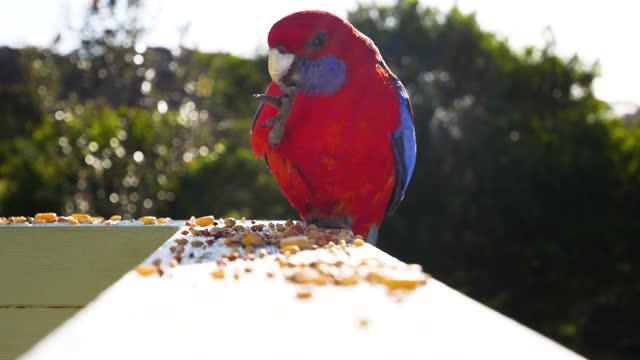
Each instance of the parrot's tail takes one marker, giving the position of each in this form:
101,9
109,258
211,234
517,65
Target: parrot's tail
372,236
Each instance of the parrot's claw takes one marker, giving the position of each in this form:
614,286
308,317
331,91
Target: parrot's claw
270,122
274,101
284,104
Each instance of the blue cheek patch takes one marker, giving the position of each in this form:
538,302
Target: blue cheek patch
324,76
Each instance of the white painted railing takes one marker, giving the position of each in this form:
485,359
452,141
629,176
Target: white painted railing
186,313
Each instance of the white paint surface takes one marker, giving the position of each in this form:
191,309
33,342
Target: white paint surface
187,314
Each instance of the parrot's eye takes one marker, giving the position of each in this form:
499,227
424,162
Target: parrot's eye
318,40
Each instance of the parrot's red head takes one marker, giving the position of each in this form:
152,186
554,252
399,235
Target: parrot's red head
314,33
312,49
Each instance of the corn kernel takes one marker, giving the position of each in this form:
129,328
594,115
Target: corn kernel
46,217
347,280
303,294
83,218
149,220
281,260
320,280
164,220
403,283
205,220
358,242
115,218
363,322
146,269
301,242
374,277
303,276
292,249
17,219
218,273
253,239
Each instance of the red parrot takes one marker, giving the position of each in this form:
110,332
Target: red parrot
336,125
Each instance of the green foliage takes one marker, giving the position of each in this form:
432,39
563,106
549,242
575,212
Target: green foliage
526,190
115,127
19,105
236,185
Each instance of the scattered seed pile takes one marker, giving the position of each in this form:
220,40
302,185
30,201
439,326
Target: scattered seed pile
300,253
75,219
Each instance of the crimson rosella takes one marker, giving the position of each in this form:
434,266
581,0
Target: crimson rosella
336,125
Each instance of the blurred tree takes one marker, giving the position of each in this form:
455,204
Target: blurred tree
127,129
520,196
19,105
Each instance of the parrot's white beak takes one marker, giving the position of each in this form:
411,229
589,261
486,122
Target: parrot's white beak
279,64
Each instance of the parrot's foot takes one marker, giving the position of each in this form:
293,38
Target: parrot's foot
332,223
284,104
274,101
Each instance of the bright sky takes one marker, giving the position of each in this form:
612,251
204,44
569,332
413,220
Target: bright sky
603,30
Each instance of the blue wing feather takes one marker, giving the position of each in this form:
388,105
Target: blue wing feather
403,141
253,124
256,116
